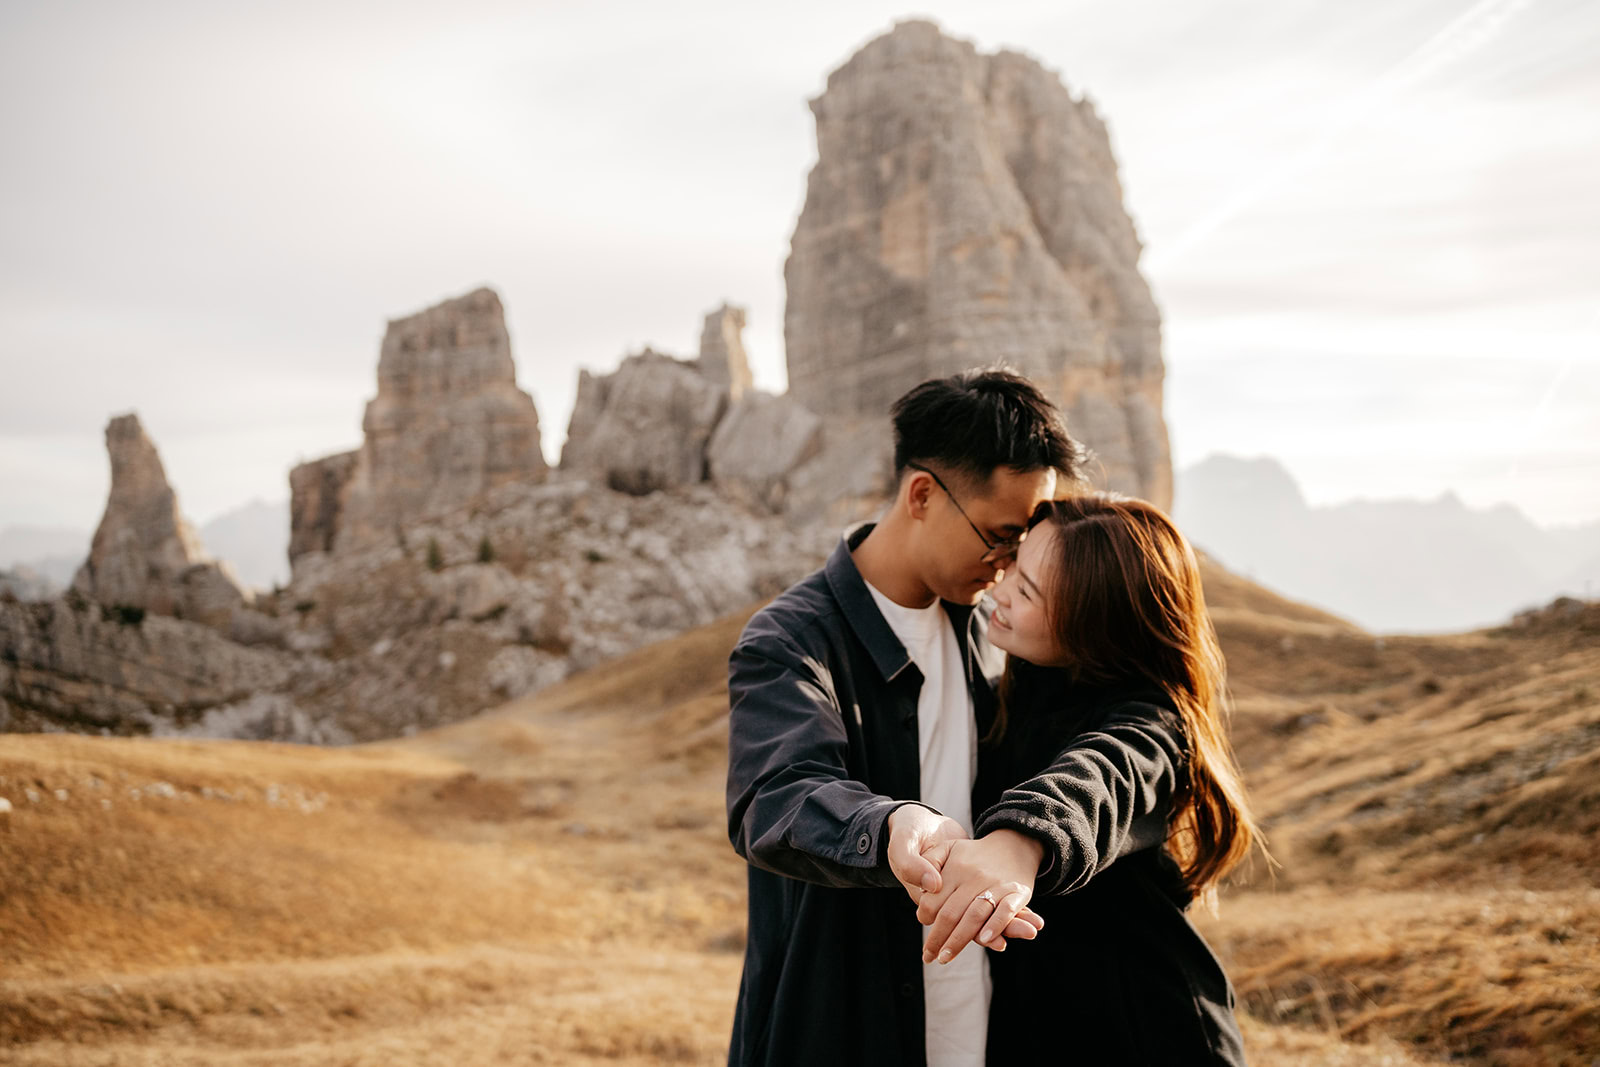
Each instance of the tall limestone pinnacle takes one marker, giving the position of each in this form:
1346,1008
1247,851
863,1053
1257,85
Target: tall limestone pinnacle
448,424
965,210
145,554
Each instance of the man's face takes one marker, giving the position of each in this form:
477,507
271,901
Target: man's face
952,550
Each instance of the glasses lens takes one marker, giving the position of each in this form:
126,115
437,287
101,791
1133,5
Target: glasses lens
1003,550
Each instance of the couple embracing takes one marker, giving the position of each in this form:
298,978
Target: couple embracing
1044,772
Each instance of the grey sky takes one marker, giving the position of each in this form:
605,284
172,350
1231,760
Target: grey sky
1377,258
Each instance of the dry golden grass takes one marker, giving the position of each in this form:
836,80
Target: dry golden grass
1435,803
551,882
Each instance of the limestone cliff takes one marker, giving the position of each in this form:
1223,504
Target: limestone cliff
316,500
965,210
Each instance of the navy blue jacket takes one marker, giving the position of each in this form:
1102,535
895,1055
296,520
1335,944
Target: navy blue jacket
822,746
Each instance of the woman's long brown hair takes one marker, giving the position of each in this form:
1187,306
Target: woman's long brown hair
1123,595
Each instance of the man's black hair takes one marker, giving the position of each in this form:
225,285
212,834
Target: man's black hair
972,423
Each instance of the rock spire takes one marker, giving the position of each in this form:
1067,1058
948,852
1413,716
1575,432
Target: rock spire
965,210
145,556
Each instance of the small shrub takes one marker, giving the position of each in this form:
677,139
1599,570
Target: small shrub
435,556
485,550
594,555
305,606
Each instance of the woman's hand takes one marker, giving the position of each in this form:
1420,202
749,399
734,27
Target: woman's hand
1024,927
919,844
1004,863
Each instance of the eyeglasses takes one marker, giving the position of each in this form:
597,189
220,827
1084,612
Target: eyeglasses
998,550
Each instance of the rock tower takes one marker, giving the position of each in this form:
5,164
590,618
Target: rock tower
447,425
145,556
965,210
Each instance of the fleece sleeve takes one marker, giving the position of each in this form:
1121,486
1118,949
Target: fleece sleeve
1105,795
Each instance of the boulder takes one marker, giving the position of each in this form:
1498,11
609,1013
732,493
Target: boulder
760,441
646,426
850,477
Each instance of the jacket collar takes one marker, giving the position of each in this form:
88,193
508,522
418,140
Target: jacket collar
860,611
874,632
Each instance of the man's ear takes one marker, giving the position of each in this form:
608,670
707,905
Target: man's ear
916,494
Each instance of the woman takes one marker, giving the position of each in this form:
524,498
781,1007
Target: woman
1111,738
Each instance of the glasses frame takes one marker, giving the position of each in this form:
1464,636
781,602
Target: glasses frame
997,550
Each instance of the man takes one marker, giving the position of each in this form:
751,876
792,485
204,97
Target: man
857,699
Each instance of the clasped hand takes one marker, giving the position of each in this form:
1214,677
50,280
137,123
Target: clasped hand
946,874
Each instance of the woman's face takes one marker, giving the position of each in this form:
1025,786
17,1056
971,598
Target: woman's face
1020,624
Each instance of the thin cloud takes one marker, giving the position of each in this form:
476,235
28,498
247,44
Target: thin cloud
1470,31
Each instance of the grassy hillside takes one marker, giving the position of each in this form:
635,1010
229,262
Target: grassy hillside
1435,803
551,882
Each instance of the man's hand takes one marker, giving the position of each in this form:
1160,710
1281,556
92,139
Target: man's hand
1004,863
919,842
914,830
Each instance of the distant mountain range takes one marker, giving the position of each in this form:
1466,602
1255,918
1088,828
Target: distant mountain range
253,538
43,558
1389,565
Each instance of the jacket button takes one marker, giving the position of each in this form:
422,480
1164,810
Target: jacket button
863,843
906,990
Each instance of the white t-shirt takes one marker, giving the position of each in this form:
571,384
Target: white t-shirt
956,994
